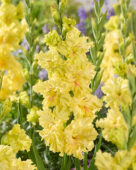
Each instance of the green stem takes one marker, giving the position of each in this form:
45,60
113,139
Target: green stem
77,164
97,147
19,119
38,159
85,161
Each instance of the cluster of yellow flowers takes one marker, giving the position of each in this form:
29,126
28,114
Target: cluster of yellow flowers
12,30
112,62
117,98
13,141
68,106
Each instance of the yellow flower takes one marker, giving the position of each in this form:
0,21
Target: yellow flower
17,139
111,55
33,116
12,81
24,98
114,128
53,131
112,24
120,68
68,24
86,106
52,38
121,161
20,10
74,46
25,165
116,92
68,107
79,137
6,107
131,70
11,33
8,160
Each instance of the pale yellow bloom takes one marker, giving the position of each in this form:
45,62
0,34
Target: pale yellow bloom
53,131
8,160
11,33
116,92
122,160
33,116
80,135
113,23
17,139
68,106
114,128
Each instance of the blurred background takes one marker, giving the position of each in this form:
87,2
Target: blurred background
108,3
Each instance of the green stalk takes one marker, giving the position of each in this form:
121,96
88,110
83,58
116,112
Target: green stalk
85,161
77,164
98,146
98,39
30,58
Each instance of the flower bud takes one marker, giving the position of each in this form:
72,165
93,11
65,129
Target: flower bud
55,14
24,98
63,4
6,107
33,116
68,24
25,74
20,10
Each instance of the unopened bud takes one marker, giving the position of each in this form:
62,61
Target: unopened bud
24,98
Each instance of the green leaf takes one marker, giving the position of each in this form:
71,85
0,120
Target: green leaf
97,8
102,21
93,55
127,115
97,80
92,164
134,24
85,161
101,42
134,105
132,85
134,52
132,138
38,159
99,60
101,3
77,164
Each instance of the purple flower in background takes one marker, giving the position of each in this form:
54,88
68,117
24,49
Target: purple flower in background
82,14
43,74
82,17
111,12
25,44
45,29
99,92
37,49
81,27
